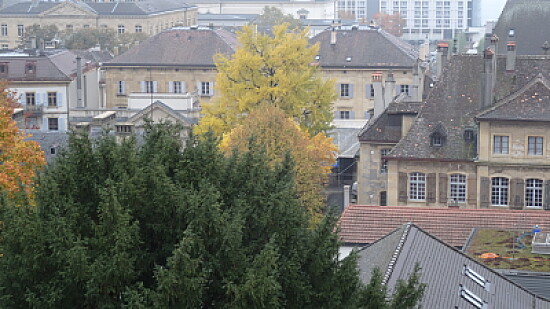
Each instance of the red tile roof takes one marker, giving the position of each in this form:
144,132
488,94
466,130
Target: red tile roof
361,224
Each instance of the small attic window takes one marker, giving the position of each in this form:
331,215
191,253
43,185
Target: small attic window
30,68
469,135
437,139
3,68
511,33
476,277
348,59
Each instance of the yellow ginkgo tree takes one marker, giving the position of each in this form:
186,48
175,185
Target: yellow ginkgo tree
19,158
313,156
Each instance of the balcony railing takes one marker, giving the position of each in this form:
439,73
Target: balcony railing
35,109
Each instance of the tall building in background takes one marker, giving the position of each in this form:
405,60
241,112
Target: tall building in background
425,19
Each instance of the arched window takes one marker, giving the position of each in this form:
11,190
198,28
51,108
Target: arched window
417,186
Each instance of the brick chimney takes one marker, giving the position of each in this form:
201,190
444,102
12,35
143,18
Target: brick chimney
510,56
378,94
389,89
442,52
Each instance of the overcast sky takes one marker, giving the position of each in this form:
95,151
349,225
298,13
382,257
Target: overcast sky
490,9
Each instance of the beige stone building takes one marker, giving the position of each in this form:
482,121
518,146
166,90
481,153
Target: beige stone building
351,56
168,66
148,16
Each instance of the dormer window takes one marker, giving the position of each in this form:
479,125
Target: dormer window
3,68
438,137
30,68
437,140
469,135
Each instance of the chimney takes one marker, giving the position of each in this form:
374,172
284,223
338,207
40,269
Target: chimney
347,192
487,78
494,48
378,94
333,36
511,56
79,82
442,51
389,89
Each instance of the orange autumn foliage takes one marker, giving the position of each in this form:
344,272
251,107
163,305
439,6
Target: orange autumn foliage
313,156
19,158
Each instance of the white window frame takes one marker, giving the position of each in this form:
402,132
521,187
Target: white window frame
121,87
534,192
404,89
501,144
417,186
383,161
52,99
53,124
344,114
149,86
4,29
138,29
345,91
121,29
20,30
500,191
535,145
457,188
177,87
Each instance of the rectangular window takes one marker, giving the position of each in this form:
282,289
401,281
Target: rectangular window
457,185
345,115
139,29
4,46
52,99
535,145
499,191
69,28
205,88
149,86
3,68
533,193
404,89
20,30
86,26
383,161
345,90
121,89
120,29
30,98
500,144
417,186
53,124
4,30
178,87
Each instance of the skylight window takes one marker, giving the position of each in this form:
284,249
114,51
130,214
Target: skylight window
473,299
477,278
348,59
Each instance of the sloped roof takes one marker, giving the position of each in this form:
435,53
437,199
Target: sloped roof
443,271
530,22
142,7
160,105
372,48
66,60
361,224
379,130
531,103
45,69
179,47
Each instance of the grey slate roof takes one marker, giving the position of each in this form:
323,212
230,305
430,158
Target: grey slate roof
346,141
371,48
47,141
66,60
379,130
138,8
529,19
531,103
179,47
45,69
535,282
442,269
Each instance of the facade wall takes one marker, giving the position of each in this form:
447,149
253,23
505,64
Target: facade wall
91,95
372,177
361,101
317,10
36,117
133,77
150,25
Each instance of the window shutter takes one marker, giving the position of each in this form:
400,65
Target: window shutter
199,88
45,124
517,189
546,204
397,89
368,90
339,90
62,127
351,115
211,89
336,115
471,189
443,188
22,99
59,99
430,187
350,90
123,84
155,86
484,192
142,86
402,187
183,88
367,115
171,86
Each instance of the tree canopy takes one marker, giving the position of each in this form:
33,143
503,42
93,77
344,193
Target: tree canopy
272,16
106,38
276,70
391,23
313,156
160,225
19,158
